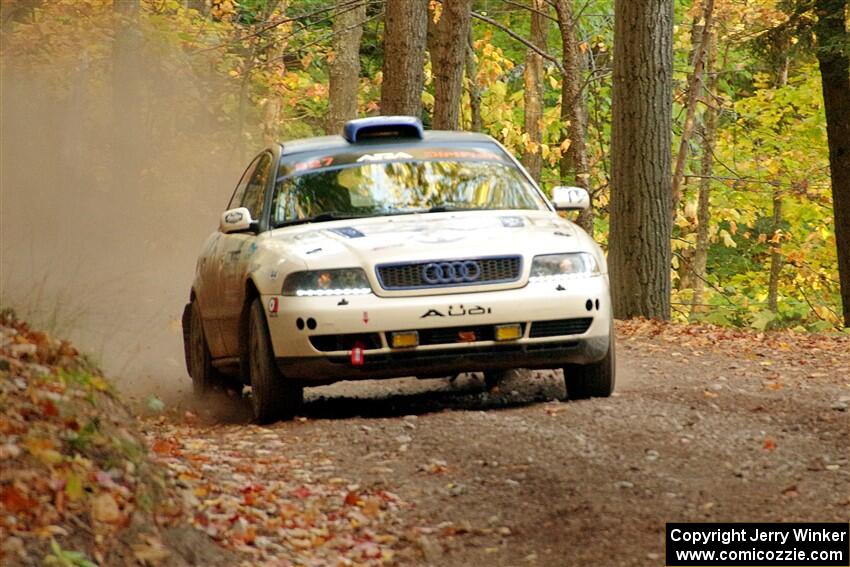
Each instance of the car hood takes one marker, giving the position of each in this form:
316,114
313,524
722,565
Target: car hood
370,241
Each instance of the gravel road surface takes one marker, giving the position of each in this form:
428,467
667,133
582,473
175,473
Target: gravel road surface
706,425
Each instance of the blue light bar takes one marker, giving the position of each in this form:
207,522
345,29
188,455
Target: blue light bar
383,127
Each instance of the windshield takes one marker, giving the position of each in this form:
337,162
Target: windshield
400,187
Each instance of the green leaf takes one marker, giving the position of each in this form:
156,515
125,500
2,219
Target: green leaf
155,404
762,319
74,487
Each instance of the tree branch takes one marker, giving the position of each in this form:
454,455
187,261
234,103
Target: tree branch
530,9
332,34
520,39
266,26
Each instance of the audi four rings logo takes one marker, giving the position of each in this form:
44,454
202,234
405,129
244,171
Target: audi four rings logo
451,272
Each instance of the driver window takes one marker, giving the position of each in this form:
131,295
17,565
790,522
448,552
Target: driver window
256,189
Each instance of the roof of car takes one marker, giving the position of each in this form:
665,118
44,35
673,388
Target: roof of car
339,143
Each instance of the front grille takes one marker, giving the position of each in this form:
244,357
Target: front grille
329,343
560,327
410,276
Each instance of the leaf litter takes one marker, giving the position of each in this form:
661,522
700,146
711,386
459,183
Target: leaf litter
250,494
76,486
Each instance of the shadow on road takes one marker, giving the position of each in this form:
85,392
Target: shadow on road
395,398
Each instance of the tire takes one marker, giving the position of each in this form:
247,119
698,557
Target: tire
595,380
273,397
492,378
198,359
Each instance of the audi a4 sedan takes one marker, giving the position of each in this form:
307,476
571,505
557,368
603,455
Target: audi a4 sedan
392,251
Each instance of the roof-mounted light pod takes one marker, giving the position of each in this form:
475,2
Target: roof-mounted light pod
383,127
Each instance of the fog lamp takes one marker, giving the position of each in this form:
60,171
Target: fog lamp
508,332
404,339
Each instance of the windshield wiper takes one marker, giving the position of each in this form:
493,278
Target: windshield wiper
452,209
322,217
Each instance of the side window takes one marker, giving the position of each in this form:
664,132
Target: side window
236,199
255,191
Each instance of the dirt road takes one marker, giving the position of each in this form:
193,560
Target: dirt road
706,425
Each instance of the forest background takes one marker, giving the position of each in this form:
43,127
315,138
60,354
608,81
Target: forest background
126,125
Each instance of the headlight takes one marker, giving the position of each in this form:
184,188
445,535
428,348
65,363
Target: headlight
349,281
554,267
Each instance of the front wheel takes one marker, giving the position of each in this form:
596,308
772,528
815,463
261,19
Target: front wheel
595,380
198,359
492,378
273,397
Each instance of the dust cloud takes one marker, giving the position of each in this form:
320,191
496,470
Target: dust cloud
116,162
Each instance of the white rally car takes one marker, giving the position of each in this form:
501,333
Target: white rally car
391,251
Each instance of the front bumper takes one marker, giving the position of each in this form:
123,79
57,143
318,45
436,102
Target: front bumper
373,319
433,363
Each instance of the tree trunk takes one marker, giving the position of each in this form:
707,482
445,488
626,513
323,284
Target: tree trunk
709,140
272,109
199,5
345,68
533,76
447,59
476,124
128,104
835,77
776,260
405,30
694,88
242,101
274,57
639,239
775,253
574,164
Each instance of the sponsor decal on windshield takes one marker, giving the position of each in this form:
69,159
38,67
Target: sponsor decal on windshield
314,163
460,154
387,156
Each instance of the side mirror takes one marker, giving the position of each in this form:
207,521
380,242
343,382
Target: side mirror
236,220
570,198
